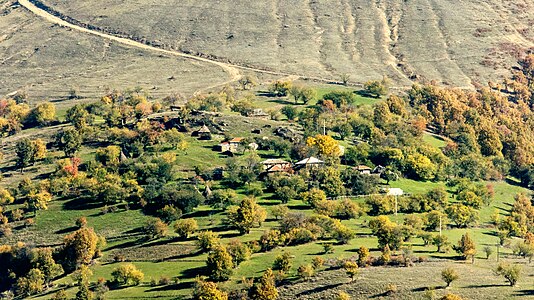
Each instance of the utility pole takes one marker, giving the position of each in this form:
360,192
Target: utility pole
396,204
324,127
440,225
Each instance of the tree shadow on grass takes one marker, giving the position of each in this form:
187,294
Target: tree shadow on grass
66,230
525,293
299,207
128,244
194,272
426,288
171,287
81,203
199,214
478,286
319,289
230,235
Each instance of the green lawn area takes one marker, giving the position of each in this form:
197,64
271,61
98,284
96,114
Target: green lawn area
433,140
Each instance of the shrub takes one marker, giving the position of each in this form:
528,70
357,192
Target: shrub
363,256
208,290
351,268
451,297
305,271
466,247
185,227
342,233
449,275
317,262
510,272
81,222
282,262
342,296
207,240
164,280
279,211
328,248
271,239
347,209
127,274
391,289
299,236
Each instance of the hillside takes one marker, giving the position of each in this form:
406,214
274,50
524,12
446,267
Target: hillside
453,42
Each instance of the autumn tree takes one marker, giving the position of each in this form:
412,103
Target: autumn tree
205,290
207,240
377,88
79,248
239,251
246,215
127,274
511,273
466,247
325,145
185,227
265,287
43,114
155,228
462,215
219,263
449,275
351,268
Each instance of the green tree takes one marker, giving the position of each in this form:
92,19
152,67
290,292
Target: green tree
462,215
239,251
79,117
69,141
31,284
155,228
219,263
25,150
376,88
290,112
313,196
282,262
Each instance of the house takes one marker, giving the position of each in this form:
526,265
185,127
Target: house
258,113
362,169
309,162
229,146
204,133
276,165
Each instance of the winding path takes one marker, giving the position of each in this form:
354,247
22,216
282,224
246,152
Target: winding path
232,70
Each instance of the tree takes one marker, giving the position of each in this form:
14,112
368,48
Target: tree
219,264
440,241
466,247
342,233
38,200
127,274
239,251
30,284
43,114
290,112
205,290
280,88
247,82
265,288
488,251
246,215
185,227
282,262
363,256
313,196
60,295
42,259
207,240
79,248
25,150
462,215
78,116
351,268
376,88
155,228
271,239
449,275
69,141
278,211
510,272
325,145
6,197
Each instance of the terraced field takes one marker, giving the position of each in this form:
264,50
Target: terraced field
455,42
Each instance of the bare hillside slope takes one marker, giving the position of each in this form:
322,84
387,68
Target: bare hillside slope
455,42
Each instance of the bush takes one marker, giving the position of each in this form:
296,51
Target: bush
317,262
451,297
207,240
299,236
342,233
305,271
282,262
185,227
279,211
363,256
81,222
328,248
127,274
208,290
351,268
342,296
271,239
510,272
449,275
265,288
